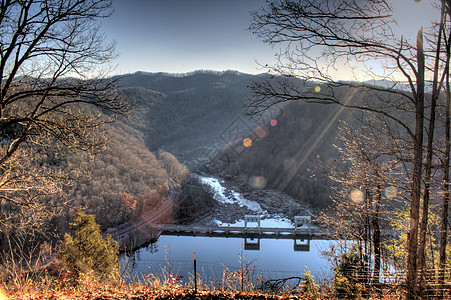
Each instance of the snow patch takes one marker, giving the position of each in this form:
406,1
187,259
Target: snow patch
264,223
223,195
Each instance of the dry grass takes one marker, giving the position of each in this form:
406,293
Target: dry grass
148,287
53,281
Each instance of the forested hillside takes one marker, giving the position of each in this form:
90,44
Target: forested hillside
192,116
286,152
119,183
200,118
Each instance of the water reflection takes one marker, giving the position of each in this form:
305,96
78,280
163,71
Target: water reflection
301,245
298,245
270,258
251,244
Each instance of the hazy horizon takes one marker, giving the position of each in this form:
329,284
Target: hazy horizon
181,36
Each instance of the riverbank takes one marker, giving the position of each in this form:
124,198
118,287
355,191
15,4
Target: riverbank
234,198
237,198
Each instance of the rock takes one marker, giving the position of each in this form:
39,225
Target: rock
275,203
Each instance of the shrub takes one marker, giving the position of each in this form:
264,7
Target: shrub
308,285
347,275
88,252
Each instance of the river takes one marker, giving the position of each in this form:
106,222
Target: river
264,258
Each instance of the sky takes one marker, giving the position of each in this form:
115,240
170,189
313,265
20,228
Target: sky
179,36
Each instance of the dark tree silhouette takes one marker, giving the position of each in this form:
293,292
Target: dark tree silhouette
52,91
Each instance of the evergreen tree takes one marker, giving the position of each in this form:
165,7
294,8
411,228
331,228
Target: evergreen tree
346,275
308,285
88,252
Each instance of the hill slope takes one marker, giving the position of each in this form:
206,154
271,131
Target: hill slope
285,151
198,116
191,115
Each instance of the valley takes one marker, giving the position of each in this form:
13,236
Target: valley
267,149
200,118
204,126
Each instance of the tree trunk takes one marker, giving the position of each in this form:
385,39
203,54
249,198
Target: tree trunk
412,238
445,201
366,233
377,237
428,171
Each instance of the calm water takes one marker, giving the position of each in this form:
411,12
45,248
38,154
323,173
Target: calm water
275,259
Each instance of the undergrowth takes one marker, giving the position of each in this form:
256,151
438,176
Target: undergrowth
146,287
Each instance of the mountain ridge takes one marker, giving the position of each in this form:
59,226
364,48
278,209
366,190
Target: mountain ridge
198,116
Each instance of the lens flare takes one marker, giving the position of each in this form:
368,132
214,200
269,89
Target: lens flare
258,182
390,192
356,196
303,155
273,122
317,89
247,142
261,132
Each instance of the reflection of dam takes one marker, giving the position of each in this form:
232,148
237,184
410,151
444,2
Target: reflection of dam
243,232
301,233
299,245
252,235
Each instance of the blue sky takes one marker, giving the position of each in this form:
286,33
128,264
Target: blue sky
179,36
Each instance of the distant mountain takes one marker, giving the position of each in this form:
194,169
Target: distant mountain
199,118
403,86
387,84
192,116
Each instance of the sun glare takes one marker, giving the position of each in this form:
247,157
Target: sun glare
302,156
3,295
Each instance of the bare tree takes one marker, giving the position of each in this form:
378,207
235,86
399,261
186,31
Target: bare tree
446,169
369,172
54,96
321,36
